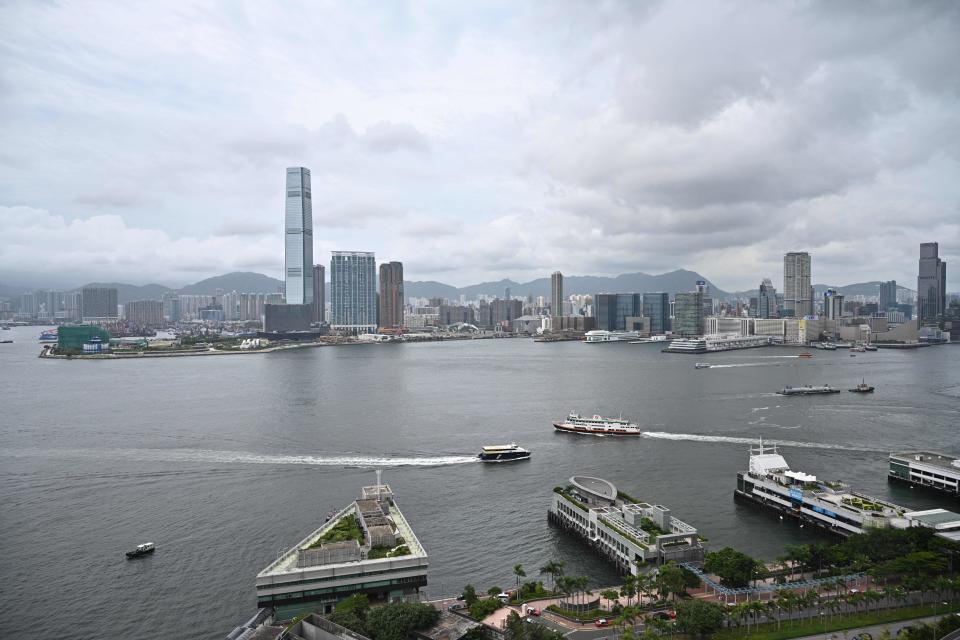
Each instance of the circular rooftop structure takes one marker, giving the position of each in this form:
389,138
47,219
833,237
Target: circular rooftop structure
597,487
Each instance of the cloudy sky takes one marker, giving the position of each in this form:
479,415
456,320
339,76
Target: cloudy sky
147,142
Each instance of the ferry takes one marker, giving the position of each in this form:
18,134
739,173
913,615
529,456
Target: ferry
503,453
597,425
807,390
702,365
142,550
863,387
599,335
805,354
50,335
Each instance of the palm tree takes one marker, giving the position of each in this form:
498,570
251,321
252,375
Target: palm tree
520,573
554,569
629,588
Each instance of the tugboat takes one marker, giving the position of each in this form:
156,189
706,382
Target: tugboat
142,550
503,453
863,387
597,426
702,365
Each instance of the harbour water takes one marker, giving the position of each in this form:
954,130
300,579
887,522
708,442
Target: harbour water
224,462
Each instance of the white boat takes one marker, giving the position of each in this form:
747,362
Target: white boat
702,365
597,425
600,335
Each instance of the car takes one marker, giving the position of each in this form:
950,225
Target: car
665,615
528,620
461,597
602,622
533,611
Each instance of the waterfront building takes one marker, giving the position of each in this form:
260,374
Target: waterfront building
931,284
298,254
888,295
627,531
926,469
381,558
72,338
318,312
99,304
353,292
279,318
717,342
456,314
391,294
556,294
688,317
613,309
144,313
832,304
656,307
797,293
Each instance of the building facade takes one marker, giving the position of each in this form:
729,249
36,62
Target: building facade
797,294
298,254
656,307
353,292
99,303
556,294
144,313
319,311
688,318
931,284
888,295
832,305
613,309
391,294
766,306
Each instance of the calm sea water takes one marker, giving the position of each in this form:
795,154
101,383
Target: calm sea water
225,461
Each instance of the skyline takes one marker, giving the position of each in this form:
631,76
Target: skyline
476,143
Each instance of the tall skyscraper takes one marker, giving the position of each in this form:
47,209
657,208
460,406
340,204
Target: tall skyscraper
299,237
766,300
832,304
688,317
353,292
391,294
319,311
99,303
888,295
656,307
931,284
556,294
613,309
797,292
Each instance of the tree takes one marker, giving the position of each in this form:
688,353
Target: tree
469,595
672,580
734,569
494,591
611,596
352,613
554,569
520,573
699,618
629,588
398,620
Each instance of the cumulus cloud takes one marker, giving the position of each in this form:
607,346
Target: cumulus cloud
480,142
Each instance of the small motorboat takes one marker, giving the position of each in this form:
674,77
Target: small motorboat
503,453
702,365
863,387
805,354
142,549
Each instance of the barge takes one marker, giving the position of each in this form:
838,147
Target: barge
808,390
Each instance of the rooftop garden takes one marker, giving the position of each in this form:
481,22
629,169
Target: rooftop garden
651,527
346,529
866,505
569,496
626,497
623,533
376,553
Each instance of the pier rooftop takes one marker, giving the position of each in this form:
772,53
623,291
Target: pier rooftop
932,458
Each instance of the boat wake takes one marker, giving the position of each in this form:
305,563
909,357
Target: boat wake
245,457
695,437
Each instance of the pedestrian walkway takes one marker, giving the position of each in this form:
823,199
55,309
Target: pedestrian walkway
873,630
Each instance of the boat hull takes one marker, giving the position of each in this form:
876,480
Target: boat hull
593,432
504,457
137,554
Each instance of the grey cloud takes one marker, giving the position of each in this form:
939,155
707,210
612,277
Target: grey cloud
387,137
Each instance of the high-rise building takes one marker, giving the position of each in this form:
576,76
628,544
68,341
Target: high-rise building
766,306
299,237
797,292
688,317
888,295
99,303
144,313
353,292
556,293
832,304
613,309
319,312
656,306
931,284
391,294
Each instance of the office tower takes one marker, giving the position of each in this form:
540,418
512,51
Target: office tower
688,317
656,306
703,289
99,303
931,284
299,237
319,312
888,295
353,292
766,301
391,294
506,293
797,292
832,304
613,309
556,293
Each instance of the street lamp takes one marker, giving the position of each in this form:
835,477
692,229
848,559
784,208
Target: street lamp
823,622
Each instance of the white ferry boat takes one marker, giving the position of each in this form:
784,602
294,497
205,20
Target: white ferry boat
503,453
599,335
597,425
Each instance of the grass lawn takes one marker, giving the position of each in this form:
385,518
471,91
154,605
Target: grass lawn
797,629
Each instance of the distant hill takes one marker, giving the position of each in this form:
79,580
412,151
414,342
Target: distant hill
239,281
858,289
673,282
128,292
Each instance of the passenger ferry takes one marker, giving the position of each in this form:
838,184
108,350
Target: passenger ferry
503,453
599,335
50,335
597,425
